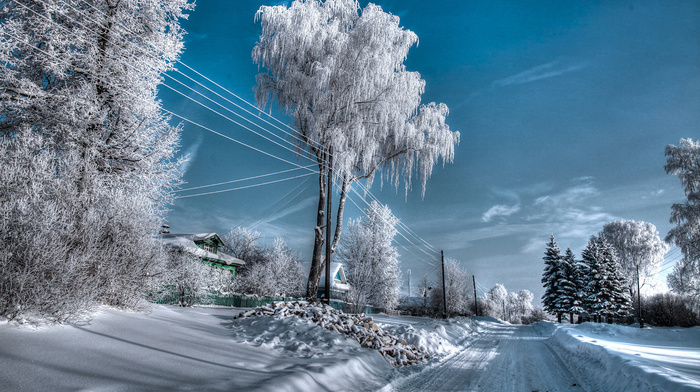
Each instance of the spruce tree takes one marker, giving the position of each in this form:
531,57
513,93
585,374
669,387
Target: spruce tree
551,278
593,293
619,297
570,286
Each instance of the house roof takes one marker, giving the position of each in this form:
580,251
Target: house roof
186,242
336,269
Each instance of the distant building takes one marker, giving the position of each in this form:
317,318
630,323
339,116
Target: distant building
204,246
339,284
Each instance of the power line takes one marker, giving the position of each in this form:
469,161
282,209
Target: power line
369,205
238,180
281,207
243,187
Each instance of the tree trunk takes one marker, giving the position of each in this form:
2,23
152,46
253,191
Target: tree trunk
339,217
316,265
571,318
559,317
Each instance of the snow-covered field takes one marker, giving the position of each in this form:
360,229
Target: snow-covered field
204,348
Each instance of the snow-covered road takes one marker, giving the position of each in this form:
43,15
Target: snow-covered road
505,358
205,349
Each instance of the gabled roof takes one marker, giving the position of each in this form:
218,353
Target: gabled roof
336,270
186,242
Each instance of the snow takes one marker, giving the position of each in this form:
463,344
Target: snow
649,359
205,348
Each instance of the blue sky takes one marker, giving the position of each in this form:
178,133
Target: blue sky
564,110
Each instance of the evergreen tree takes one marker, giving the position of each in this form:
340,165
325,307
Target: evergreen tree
619,297
604,292
593,296
570,285
551,278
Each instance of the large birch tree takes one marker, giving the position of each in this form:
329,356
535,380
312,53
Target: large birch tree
338,71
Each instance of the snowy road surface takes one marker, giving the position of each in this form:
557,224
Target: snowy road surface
505,358
205,349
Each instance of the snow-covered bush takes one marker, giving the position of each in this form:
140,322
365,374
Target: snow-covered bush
185,280
269,271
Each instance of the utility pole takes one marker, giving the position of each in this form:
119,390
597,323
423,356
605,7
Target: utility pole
409,285
329,214
444,294
639,300
476,309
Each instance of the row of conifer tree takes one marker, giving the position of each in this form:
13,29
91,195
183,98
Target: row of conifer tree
592,287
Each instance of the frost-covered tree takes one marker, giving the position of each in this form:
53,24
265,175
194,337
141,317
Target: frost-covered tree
371,262
495,301
684,161
83,137
509,306
639,250
285,266
269,271
244,244
457,289
338,71
685,279
552,278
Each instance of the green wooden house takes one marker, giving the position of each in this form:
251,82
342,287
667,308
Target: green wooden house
204,246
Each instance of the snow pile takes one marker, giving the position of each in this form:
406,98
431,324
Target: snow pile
361,328
650,359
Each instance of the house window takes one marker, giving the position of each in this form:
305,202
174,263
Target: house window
210,248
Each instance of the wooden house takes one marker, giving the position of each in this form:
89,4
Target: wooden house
204,246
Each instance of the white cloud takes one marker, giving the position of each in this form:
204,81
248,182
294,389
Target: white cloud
190,153
540,72
500,210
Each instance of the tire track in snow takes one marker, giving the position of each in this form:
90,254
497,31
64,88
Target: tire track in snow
506,358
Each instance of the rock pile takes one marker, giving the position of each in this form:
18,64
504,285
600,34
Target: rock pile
357,326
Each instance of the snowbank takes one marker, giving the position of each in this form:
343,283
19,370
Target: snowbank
278,326
622,358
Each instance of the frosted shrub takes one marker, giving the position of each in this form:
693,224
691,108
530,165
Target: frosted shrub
86,158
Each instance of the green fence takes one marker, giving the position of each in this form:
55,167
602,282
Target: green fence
234,300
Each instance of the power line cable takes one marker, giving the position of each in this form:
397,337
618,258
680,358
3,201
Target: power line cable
238,180
281,207
242,187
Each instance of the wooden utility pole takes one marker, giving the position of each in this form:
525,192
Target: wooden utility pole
329,214
409,285
476,309
444,293
639,300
